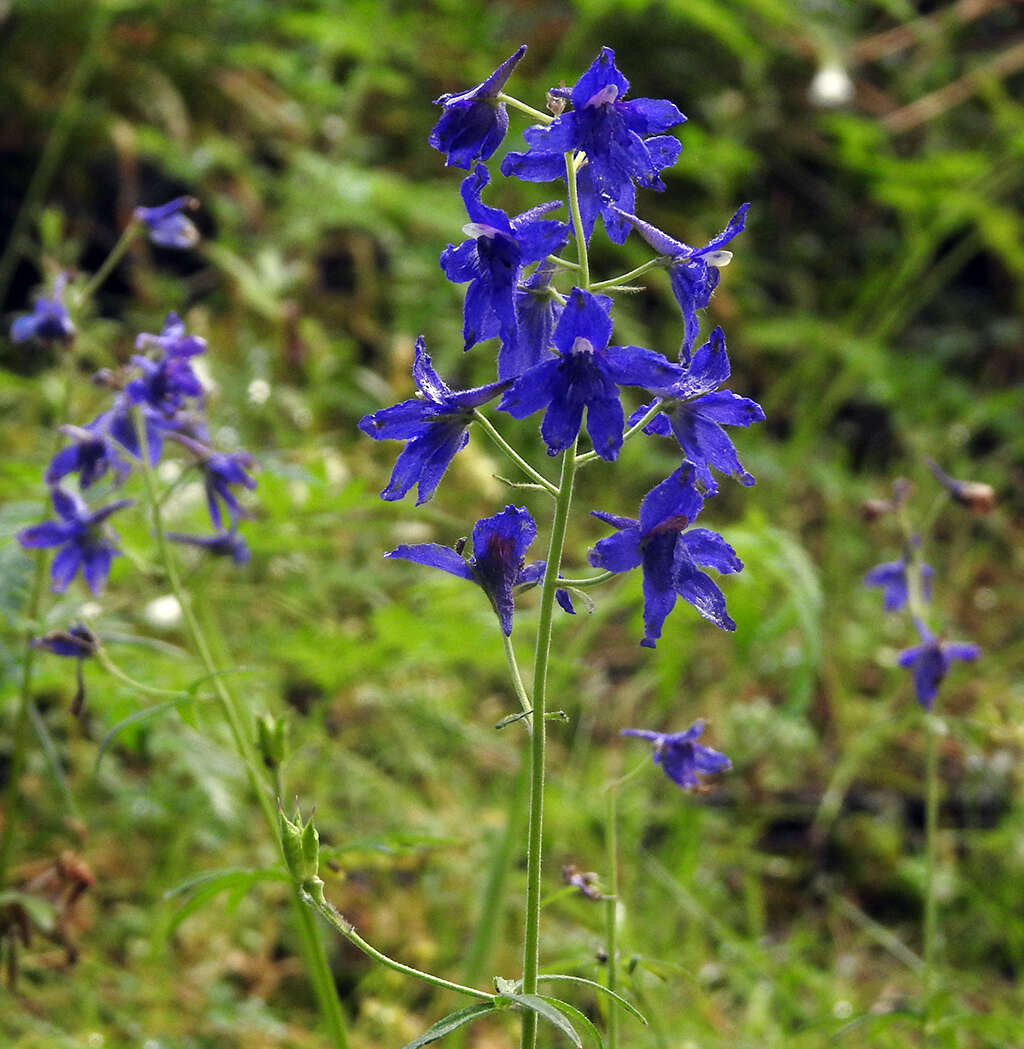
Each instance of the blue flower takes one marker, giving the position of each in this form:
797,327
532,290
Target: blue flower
174,340
694,273
695,410
474,122
609,132
168,225
930,662
538,307
493,260
77,642
586,375
498,562
91,455
669,555
682,759
84,540
49,321
223,544
892,577
220,471
435,425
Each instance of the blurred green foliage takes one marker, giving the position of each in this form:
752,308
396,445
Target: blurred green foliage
874,307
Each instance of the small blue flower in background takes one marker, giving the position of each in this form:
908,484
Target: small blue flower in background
174,340
493,258
609,131
586,375
168,225
695,410
49,320
91,455
436,427
84,540
669,555
892,577
220,471
930,662
498,562
77,642
223,544
474,122
694,273
683,759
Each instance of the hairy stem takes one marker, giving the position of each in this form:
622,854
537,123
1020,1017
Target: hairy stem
492,431
531,944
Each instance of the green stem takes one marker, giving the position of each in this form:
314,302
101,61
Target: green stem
613,282
564,263
115,671
115,256
577,221
656,406
517,679
312,945
531,939
582,584
313,895
492,431
930,901
509,100
611,906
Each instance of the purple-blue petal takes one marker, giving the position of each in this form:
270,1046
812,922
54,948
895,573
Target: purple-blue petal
433,555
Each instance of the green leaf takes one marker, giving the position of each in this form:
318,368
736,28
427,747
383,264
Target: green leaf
546,1008
580,1016
450,1023
628,1006
211,883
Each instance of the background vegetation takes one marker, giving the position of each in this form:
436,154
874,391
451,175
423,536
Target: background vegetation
874,307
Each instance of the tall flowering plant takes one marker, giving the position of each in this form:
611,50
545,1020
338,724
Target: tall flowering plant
558,360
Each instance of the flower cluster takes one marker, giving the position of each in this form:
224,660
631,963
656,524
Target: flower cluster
157,399
557,356
907,584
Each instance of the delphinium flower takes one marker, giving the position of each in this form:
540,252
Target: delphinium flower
85,540
683,759
174,340
538,307
474,122
586,375
223,544
492,260
694,409
49,320
168,225
613,135
91,455
498,564
221,470
892,577
77,642
436,425
671,555
930,662
694,273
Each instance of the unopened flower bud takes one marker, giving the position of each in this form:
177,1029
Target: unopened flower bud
300,843
272,739
873,509
975,495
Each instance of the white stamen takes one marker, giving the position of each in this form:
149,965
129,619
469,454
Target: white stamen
718,258
581,345
609,93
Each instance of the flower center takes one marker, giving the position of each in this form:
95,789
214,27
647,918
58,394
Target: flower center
608,94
